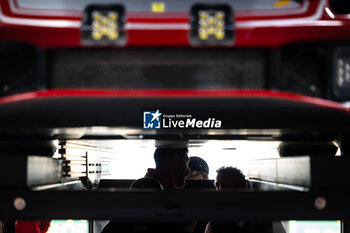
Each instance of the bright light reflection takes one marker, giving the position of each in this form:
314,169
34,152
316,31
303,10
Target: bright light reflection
329,12
133,157
224,155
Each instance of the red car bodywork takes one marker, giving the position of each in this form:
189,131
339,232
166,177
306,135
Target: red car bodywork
312,21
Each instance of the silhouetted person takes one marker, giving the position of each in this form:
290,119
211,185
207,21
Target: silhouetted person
198,180
146,184
170,174
171,167
199,169
198,177
230,178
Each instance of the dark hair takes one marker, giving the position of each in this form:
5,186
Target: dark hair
163,155
234,176
198,164
146,183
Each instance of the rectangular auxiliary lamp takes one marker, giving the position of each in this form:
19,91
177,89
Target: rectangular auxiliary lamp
103,25
211,25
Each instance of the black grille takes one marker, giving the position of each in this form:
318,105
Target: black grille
17,68
141,68
304,71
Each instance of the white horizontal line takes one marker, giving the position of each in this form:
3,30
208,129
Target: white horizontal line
40,22
300,23
157,26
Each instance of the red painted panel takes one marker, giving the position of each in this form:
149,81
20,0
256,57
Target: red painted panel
42,37
279,36
158,38
172,94
248,31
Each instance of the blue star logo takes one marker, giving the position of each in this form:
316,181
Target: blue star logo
151,120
